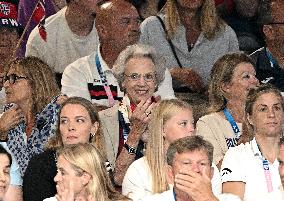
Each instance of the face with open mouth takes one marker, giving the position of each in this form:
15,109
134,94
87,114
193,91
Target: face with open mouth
139,79
8,42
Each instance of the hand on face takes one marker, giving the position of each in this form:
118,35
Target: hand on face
140,118
11,118
196,185
68,194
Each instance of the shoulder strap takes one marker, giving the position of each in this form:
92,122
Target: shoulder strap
169,41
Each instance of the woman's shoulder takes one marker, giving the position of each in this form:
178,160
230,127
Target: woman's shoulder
212,117
152,20
45,158
240,151
109,112
140,163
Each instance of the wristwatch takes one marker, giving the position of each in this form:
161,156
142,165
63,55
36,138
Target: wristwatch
131,150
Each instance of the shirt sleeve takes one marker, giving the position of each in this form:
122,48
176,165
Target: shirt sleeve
74,82
228,197
134,182
233,166
204,129
37,47
165,89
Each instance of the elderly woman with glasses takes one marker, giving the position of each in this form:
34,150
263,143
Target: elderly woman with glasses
139,72
31,111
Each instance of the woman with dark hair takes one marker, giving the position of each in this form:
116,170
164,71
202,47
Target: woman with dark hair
78,122
5,165
14,192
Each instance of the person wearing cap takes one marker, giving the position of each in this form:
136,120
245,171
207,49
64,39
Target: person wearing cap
70,35
9,35
25,11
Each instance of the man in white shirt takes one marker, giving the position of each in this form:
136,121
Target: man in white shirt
190,170
70,35
117,23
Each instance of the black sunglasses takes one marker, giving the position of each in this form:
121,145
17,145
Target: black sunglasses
12,78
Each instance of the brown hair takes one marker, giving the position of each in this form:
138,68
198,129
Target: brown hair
55,142
222,73
189,144
253,95
41,78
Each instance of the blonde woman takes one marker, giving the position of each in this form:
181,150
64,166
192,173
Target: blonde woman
191,36
81,175
171,120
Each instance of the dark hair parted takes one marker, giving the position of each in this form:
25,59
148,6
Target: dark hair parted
222,73
41,78
5,152
189,144
252,97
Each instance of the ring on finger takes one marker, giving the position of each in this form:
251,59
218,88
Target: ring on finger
147,113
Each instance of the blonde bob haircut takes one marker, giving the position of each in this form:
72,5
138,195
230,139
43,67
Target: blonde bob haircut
210,22
155,152
86,158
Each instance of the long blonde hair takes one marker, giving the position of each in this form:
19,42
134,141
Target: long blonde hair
210,22
155,153
87,158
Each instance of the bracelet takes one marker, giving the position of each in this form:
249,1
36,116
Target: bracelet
131,150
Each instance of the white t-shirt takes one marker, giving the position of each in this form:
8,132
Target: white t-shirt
50,199
137,182
62,46
244,164
169,196
81,78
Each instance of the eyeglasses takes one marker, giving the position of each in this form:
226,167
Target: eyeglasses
149,77
276,23
12,78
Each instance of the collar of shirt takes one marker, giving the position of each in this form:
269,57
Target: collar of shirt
104,66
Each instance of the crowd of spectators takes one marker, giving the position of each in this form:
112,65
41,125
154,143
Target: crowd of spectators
144,100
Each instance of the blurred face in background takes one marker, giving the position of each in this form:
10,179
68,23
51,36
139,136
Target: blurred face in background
4,174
